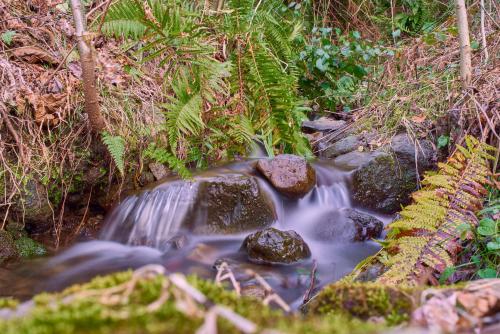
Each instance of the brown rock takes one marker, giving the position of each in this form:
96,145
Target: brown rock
291,175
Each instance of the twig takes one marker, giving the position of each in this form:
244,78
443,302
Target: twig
12,131
307,296
483,34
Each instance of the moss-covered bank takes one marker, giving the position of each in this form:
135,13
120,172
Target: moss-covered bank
365,300
80,310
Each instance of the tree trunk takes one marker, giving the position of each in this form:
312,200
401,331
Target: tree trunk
465,50
92,109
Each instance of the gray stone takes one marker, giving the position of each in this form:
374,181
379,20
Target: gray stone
291,175
347,225
323,124
272,246
354,160
343,146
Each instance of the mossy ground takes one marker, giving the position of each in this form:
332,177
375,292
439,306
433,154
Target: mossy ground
55,313
365,300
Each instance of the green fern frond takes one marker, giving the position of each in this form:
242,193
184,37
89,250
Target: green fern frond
116,147
162,156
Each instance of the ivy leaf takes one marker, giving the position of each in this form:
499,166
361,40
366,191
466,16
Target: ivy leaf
396,33
8,36
356,34
320,65
487,227
487,273
493,246
356,70
443,141
474,45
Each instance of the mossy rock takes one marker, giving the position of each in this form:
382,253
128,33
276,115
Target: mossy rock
230,203
8,250
63,313
365,300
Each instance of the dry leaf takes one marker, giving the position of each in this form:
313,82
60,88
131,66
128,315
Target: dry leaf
48,108
34,55
419,118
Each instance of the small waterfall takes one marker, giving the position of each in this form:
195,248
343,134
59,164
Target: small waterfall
153,217
159,225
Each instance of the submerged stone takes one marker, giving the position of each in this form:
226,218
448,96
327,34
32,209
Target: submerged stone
291,175
272,246
347,225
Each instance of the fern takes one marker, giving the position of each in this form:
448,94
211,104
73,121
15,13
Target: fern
230,78
426,239
116,147
163,156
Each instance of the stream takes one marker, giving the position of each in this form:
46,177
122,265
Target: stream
156,226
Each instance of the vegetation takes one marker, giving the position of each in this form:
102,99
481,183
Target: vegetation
426,239
89,111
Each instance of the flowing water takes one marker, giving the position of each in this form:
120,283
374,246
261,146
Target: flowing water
150,227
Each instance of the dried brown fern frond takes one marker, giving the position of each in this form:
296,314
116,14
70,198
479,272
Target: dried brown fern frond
426,239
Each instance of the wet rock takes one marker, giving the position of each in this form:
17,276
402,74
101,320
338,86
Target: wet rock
34,207
159,170
230,204
354,160
323,124
8,250
343,146
272,246
387,180
347,225
291,175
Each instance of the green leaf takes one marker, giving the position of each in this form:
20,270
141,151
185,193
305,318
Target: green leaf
356,34
474,45
7,37
487,227
487,273
446,274
443,141
493,246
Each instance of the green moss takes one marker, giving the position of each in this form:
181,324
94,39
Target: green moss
29,248
364,300
63,313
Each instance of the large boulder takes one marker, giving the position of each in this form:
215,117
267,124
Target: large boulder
386,181
231,203
347,225
272,246
291,175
